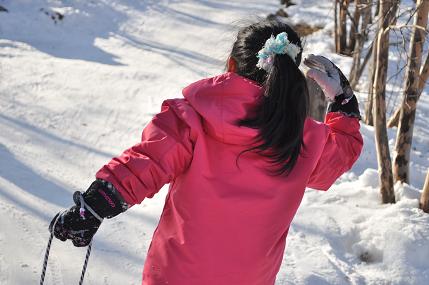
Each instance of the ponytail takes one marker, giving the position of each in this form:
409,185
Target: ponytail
281,113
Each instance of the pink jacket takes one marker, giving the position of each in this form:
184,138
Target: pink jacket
223,224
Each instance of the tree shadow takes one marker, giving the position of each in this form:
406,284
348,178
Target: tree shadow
36,132
76,36
72,37
24,177
249,7
187,17
42,187
179,55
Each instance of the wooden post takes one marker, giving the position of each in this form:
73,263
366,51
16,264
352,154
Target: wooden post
388,10
407,115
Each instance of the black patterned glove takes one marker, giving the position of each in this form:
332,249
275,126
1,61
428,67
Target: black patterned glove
80,222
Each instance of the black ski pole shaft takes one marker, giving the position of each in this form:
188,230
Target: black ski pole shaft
85,264
45,262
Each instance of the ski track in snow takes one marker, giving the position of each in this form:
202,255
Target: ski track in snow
77,92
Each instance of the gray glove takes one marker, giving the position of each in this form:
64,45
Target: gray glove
334,84
329,77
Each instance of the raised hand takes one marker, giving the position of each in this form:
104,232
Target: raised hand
334,85
329,77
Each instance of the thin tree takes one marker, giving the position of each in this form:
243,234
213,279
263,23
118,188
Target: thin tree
423,77
404,137
388,10
354,27
341,7
363,8
369,114
369,118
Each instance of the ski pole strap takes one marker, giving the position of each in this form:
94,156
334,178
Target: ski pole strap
84,206
48,249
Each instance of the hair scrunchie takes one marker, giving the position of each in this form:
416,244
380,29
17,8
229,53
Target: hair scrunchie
276,45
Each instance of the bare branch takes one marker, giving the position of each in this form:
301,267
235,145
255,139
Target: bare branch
400,27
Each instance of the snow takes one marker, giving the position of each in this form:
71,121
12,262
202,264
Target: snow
76,92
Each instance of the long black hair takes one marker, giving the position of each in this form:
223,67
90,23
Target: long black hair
281,113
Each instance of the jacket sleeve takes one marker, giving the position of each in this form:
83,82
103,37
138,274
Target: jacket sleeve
164,152
342,148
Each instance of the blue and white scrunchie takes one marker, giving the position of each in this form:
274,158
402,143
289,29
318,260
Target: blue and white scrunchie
278,45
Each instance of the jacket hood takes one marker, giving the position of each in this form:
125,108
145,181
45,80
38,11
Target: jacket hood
223,100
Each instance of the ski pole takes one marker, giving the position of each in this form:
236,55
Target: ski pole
48,249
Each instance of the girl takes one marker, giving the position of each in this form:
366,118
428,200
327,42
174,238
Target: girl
238,151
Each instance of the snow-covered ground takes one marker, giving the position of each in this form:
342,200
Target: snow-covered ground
75,92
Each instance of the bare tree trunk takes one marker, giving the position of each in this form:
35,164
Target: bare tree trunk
342,26
371,17
369,108
360,36
377,8
388,10
364,63
337,39
369,111
356,44
423,74
318,103
394,119
424,199
366,17
423,77
407,115
354,28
